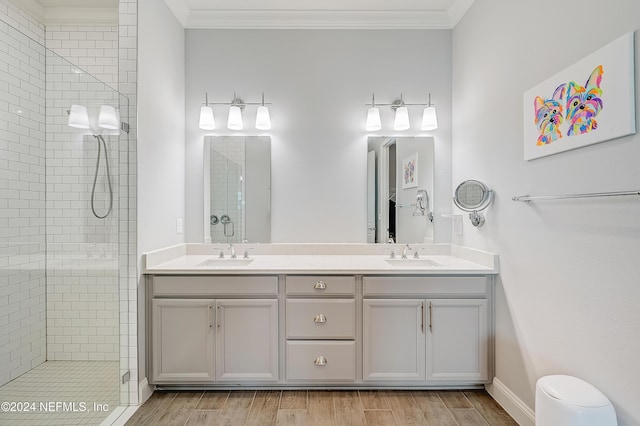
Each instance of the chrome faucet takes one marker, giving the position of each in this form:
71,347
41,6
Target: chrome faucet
232,251
405,251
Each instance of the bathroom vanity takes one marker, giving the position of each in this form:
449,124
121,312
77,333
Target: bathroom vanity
319,316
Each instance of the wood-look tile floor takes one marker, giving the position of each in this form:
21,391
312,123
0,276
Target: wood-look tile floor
338,408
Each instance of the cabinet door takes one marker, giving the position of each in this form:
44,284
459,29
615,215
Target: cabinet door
247,340
182,341
457,340
393,340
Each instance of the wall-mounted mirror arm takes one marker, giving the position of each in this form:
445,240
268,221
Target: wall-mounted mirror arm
473,196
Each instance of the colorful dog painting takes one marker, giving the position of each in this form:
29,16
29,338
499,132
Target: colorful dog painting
584,103
548,116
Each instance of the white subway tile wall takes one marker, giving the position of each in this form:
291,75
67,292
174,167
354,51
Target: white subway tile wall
22,198
127,83
81,288
82,269
93,49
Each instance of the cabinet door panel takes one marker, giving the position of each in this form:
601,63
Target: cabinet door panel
247,342
457,340
393,340
182,341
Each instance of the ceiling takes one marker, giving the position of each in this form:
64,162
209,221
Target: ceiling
363,14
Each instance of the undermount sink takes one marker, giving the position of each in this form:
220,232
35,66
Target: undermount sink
225,262
408,263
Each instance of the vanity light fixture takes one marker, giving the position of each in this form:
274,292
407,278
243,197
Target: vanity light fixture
78,117
234,120
263,120
207,121
401,121
429,117
108,119
373,117
401,110
235,114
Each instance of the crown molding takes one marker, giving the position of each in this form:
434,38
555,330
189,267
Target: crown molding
458,10
180,11
202,19
81,16
32,7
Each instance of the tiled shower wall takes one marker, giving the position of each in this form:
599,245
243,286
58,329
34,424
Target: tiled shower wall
14,264
82,269
94,49
127,83
22,195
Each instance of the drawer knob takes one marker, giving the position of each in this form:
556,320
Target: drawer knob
319,319
320,285
320,361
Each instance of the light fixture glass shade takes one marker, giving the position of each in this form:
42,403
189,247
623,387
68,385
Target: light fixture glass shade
207,121
78,117
429,118
263,120
373,120
108,118
235,118
402,119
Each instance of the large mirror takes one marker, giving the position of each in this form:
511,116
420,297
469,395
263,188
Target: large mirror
237,189
400,183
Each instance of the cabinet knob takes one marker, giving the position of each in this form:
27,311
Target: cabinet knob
320,361
319,319
320,285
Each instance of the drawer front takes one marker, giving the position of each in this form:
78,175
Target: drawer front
321,319
425,286
321,361
190,286
321,286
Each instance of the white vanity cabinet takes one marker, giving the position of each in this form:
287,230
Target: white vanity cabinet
212,329
426,329
182,340
371,330
320,329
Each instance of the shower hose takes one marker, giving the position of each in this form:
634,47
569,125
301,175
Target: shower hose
101,144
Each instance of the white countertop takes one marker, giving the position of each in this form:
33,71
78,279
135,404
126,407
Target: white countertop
318,259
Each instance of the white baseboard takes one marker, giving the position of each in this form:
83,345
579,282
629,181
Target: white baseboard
144,391
513,405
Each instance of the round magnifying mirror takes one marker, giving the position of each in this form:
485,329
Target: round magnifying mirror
473,196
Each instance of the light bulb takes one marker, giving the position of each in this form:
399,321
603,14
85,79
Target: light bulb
207,121
108,118
263,120
402,119
235,118
373,120
429,118
78,117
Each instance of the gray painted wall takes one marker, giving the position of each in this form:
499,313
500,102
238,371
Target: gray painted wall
568,290
318,82
161,151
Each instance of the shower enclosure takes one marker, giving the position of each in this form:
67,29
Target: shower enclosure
63,292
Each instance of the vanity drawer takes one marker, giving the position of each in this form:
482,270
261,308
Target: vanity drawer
321,319
321,361
425,286
207,286
320,285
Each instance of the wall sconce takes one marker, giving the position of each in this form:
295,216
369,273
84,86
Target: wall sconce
234,120
401,121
